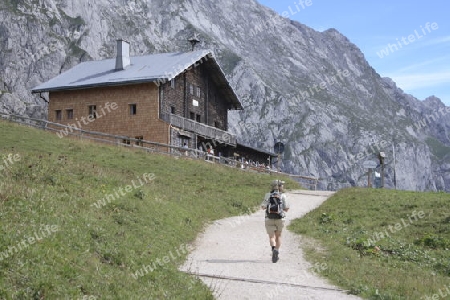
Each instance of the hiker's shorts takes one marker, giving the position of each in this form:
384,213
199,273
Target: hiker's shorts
273,225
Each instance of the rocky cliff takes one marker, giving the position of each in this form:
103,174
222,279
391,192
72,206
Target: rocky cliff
314,91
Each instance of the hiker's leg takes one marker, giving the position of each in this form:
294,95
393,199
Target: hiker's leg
275,251
277,239
272,239
279,225
270,229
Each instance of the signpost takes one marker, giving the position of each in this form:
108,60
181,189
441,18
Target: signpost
279,147
369,164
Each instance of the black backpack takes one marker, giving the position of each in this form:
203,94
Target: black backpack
274,209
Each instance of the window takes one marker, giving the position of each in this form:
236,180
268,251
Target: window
191,89
93,111
198,118
58,115
139,140
172,109
69,113
199,92
192,116
133,109
126,141
172,83
216,124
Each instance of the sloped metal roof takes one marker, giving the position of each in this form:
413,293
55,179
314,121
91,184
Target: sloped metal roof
147,68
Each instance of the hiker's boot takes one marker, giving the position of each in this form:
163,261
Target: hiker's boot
275,255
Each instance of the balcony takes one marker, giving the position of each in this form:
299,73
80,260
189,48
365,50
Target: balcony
206,131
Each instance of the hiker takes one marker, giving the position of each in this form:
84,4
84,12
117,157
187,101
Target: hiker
210,153
276,206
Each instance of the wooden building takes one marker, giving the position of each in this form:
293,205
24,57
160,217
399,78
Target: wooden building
170,98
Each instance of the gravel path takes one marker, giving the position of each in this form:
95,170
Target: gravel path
233,258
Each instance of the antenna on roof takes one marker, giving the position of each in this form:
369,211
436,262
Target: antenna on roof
194,41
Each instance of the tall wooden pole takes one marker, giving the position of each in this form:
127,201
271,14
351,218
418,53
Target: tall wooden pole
278,163
381,156
395,175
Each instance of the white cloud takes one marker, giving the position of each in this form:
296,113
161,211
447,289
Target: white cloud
420,80
437,41
425,63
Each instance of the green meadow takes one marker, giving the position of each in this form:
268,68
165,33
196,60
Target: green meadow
382,244
83,220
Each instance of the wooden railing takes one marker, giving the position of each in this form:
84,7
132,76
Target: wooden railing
207,131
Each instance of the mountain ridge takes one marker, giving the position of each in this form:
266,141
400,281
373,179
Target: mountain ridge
285,73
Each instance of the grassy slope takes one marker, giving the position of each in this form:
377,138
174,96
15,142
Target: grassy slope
95,250
409,260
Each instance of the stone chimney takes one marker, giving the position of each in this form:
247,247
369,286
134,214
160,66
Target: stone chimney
123,54
194,41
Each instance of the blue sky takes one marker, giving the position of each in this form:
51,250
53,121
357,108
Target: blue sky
408,41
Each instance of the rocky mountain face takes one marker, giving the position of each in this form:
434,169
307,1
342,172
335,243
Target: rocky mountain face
313,91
